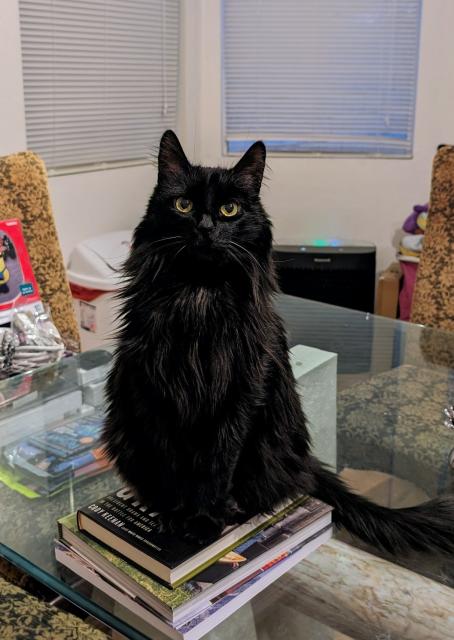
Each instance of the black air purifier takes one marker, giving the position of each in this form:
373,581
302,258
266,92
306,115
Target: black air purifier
338,272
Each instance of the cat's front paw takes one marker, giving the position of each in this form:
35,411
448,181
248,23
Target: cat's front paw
230,512
169,523
202,528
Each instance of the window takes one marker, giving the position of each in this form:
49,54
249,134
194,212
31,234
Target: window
100,78
321,76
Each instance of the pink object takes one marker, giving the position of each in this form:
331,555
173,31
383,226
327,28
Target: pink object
409,270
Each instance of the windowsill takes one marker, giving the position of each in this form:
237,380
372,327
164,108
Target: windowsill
337,156
100,166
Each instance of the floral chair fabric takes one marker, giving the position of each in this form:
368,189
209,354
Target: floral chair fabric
24,617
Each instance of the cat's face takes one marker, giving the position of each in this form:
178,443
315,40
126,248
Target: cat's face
207,214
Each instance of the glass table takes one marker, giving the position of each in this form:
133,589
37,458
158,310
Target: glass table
394,381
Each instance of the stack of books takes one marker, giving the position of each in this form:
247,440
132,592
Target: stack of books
180,588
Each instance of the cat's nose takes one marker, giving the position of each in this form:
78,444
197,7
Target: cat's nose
206,223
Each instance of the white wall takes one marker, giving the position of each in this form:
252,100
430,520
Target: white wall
86,204
356,198
12,119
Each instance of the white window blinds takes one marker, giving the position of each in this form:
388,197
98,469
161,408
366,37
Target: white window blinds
100,78
321,76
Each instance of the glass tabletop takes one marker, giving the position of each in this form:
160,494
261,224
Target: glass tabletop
394,381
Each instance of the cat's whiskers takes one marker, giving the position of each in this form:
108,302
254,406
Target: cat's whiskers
158,271
240,246
158,251
179,251
233,255
255,287
162,262
163,239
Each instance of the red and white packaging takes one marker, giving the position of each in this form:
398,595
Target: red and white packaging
18,287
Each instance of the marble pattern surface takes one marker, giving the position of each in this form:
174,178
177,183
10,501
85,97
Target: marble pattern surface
393,422
366,597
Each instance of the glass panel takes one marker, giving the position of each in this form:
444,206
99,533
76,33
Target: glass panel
394,381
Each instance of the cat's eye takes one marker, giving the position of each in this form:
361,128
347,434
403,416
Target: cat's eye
229,210
183,205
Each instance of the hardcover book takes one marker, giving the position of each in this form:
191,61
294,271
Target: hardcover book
123,524
218,608
295,526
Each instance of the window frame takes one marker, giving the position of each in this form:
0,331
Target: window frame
312,154
109,165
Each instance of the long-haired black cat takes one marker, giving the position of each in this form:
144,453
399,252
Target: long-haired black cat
203,419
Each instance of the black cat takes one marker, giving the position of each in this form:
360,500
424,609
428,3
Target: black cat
203,419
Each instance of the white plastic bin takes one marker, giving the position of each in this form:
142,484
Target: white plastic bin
94,278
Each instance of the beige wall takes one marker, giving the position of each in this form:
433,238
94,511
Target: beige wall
357,198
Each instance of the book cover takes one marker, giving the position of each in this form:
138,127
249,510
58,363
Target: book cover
71,438
271,537
172,598
121,522
44,463
210,580
28,487
18,287
50,457
234,593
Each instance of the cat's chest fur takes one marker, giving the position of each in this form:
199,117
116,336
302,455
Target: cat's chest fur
204,348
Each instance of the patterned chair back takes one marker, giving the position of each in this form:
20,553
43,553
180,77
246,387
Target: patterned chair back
433,300
24,194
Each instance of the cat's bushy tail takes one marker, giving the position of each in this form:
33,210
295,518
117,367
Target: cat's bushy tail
427,527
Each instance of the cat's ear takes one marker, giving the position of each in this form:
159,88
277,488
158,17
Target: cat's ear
250,168
171,159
